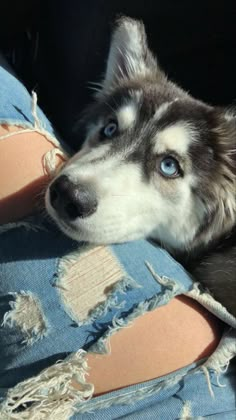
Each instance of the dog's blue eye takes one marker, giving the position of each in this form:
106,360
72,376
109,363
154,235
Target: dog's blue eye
110,129
169,167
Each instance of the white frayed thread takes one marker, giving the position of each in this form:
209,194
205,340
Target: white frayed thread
225,351
164,281
218,377
208,379
103,345
37,124
186,412
13,133
220,359
51,394
26,314
117,325
50,160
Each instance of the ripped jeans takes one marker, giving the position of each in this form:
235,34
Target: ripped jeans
50,317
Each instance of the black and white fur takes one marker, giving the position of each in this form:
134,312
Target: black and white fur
192,215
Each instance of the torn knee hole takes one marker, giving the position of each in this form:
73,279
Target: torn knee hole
88,284
53,158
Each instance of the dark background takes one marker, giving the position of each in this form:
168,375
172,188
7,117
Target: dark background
58,46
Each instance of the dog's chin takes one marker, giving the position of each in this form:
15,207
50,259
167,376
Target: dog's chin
80,235
82,231
68,230
71,230
91,235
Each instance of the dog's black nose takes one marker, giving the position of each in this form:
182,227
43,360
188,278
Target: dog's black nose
71,201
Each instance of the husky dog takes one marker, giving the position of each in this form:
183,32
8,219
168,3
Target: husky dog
156,163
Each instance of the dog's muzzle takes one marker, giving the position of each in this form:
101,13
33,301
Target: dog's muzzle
71,201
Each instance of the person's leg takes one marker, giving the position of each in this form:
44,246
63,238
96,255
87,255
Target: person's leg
22,172
150,342
29,150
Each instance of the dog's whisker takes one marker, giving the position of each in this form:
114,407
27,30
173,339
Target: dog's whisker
95,84
110,106
94,89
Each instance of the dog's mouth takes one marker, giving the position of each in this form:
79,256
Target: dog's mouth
69,230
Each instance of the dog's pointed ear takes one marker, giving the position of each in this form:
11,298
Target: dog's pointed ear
129,55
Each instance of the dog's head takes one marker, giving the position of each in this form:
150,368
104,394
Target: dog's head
155,162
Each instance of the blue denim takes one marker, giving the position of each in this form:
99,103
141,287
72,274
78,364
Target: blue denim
44,337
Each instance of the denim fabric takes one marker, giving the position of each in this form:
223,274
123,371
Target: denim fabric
43,334
29,262
15,105
169,397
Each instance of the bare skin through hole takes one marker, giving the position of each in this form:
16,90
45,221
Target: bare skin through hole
22,176
159,342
